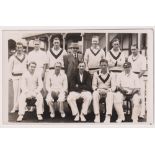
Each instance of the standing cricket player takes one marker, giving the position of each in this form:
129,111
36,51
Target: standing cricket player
17,65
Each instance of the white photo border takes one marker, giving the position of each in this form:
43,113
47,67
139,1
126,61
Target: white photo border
151,109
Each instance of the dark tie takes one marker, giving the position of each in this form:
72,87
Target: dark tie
116,64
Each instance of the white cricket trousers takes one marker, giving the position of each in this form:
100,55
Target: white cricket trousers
142,90
73,96
50,99
16,91
39,104
118,103
109,102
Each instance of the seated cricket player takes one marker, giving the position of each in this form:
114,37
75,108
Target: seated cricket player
57,86
80,87
103,86
128,85
31,85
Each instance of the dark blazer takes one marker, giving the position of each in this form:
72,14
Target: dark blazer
78,86
70,65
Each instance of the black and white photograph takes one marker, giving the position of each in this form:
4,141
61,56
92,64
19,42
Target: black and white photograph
77,77
73,76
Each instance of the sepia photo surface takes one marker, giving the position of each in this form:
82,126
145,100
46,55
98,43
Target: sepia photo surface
78,76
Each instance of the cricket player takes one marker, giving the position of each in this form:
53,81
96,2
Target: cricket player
57,87
103,86
31,85
128,85
93,55
39,56
80,88
138,62
17,65
55,54
115,58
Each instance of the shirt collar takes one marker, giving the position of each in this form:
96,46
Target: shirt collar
17,55
31,74
115,51
100,73
56,50
128,74
58,74
74,54
97,48
135,57
81,74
